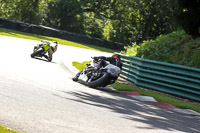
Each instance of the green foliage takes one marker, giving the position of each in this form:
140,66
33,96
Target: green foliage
196,58
161,48
176,47
6,130
92,26
135,21
64,14
132,51
22,10
114,20
108,30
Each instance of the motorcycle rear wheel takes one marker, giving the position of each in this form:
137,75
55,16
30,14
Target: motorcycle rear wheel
100,82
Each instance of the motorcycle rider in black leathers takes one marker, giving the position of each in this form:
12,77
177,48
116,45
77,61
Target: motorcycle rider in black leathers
114,60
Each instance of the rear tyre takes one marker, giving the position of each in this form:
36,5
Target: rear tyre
99,82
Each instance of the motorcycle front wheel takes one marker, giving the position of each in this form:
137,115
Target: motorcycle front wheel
100,82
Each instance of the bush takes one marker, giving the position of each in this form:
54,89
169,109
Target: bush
176,47
161,48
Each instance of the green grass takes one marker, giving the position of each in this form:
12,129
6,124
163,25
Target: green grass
13,33
6,130
160,97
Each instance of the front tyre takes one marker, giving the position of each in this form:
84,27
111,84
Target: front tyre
100,81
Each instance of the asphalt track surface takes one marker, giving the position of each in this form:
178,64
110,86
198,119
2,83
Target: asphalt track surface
37,96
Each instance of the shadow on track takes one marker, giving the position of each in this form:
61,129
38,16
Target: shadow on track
131,109
43,59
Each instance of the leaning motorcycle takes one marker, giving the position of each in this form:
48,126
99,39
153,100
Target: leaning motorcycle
93,77
40,50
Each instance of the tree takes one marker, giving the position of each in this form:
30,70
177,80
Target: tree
138,20
65,15
22,10
125,21
96,13
188,16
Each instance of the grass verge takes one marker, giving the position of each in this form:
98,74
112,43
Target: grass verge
6,130
160,97
13,33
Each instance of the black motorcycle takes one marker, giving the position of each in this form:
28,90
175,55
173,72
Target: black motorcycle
99,77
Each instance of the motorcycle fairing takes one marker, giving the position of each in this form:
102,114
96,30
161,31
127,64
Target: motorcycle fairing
113,70
83,77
